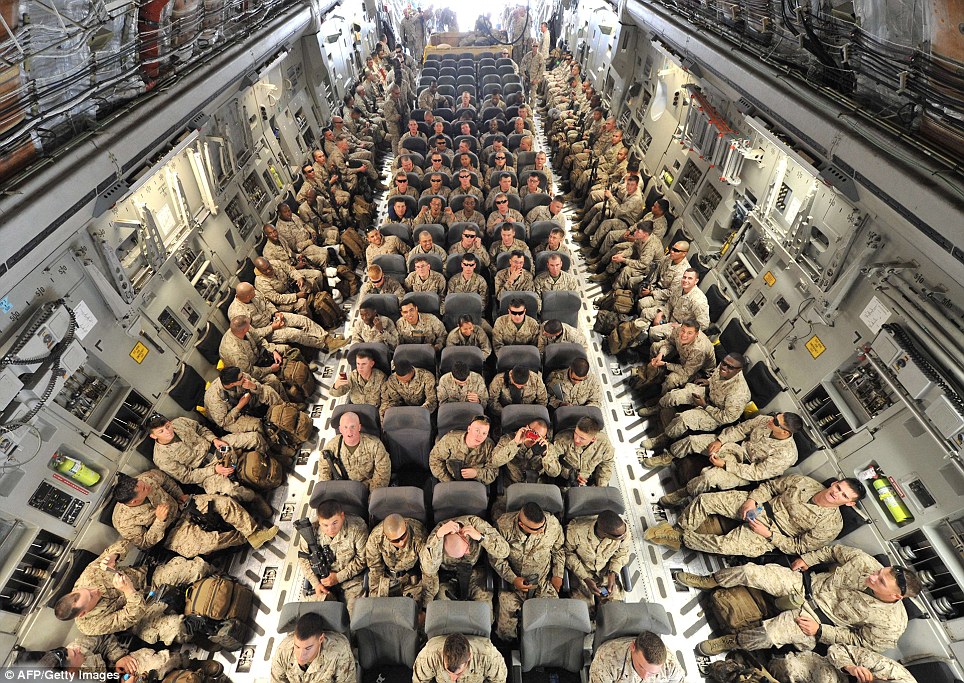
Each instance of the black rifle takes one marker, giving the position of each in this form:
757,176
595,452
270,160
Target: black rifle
210,520
320,557
336,468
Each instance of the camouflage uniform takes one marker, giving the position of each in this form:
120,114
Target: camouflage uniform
522,283
625,213
320,217
389,286
390,245
279,289
503,393
639,259
362,391
498,247
348,547
613,664
530,555
591,557
725,401
798,525
479,252
394,570
116,612
487,664
566,282
676,309
667,276
245,354
362,333
140,525
452,446
417,250
594,461
506,333
428,330
190,460
298,329
809,667
420,391
750,454
588,392
300,240
542,213
570,335
221,406
691,359
853,615
368,462
450,392
101,654
334,663
435,282
479,338
434,560
474,285
520,459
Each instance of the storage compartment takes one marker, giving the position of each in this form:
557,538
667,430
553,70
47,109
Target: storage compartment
31,567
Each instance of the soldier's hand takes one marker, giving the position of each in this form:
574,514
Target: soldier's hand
161,512
377,323
109,562
224,471
717,461
469,473
274,368
591,585
472,397
520,584
339,383
556,582
582,480
301,261
243,401
750,504
759,528
450,527
277,357
611,582
798,565
861,673
645,292
472,532
123,583
126,665
698,401
714,447
220,443
807,625
520,433
330,580
619,258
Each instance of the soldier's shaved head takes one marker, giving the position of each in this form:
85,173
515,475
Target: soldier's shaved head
394,525
455,546
244,292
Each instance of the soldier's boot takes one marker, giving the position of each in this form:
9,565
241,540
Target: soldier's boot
655,443
717,646
656,461
207,667
648,411
262,536
260,508
704,583
665,534
333,342
675,498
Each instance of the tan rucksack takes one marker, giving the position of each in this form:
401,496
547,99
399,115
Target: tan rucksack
326,312
354,244
621,338
287,418
219,598
740,608
258,470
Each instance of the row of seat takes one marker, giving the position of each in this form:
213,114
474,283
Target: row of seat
559,305
419,147
557,356
458,115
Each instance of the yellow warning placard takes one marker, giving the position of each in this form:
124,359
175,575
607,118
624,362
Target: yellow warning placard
139,353
815,346
769,279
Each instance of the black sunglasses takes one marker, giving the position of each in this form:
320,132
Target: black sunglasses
730,365
901,578
678,251
400,538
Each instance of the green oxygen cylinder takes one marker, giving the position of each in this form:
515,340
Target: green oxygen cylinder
890,501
